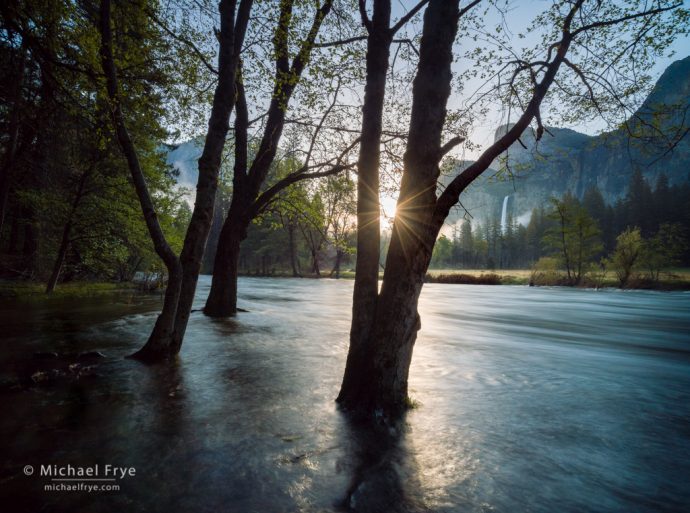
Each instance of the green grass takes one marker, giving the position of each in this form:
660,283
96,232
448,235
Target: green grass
25,290
673,279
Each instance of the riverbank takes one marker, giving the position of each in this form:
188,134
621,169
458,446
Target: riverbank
675,279
36,291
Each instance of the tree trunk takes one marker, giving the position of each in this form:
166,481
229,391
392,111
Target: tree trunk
222,299
315,263
336,267
60,259
376,379
183,272
13,243
64,241
364,297
293,250
30,246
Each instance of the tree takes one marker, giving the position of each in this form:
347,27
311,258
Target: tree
338,193
248,199
67,171
365,295
627,254
663,250
574,237
183,271
443,251
376,373
639,204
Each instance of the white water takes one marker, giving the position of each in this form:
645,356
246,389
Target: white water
504,215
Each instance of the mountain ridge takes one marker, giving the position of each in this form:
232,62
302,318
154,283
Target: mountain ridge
565,160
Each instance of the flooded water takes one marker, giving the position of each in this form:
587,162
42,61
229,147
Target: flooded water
529,399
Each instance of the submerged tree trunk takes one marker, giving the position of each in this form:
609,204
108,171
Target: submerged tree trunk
368,208
183,272
158,344
377,366
223,297
365,292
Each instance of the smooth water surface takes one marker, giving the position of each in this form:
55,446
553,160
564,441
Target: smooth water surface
530,399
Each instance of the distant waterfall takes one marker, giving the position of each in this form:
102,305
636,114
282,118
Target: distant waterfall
504,215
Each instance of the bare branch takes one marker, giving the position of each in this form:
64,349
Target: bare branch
341,42
450,145
608,23
410,14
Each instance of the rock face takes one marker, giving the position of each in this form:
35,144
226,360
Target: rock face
566,160
184,159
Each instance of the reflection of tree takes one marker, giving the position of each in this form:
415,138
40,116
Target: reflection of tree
384,474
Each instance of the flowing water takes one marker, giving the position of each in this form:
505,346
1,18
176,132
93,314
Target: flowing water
529,399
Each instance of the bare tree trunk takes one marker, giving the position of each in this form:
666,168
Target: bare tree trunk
222,299
64,241
368,210
293,249
378,377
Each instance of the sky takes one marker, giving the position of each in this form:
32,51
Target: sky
520,15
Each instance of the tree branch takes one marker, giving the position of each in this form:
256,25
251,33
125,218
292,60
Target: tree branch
622,19
182,40
410,14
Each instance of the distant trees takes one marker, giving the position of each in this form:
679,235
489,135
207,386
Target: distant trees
308,226
664,249
578,233
68,209
627,253
574,236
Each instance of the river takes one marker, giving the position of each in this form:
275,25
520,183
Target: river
528,399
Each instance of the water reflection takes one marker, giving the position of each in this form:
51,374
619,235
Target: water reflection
530,400
384,475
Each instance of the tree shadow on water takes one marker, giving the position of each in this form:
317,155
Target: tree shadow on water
384,473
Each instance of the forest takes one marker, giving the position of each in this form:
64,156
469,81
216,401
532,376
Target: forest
337,139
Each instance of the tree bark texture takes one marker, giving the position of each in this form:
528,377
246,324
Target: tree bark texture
365,293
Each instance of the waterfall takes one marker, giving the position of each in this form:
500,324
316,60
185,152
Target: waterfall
504,215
